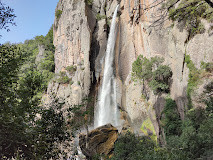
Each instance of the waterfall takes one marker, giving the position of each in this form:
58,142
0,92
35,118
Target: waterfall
107,109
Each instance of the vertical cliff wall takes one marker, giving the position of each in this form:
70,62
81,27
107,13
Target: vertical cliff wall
139,34
80,37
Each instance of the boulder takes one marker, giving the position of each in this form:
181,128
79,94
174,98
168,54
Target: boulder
99,141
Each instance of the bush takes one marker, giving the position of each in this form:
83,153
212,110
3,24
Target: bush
207,66
153,72
71,82
58,14
71,69
141,68
160,81
100,17
63,78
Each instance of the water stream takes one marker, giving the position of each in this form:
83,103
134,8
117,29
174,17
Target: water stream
107,109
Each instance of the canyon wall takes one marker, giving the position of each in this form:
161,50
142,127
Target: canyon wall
80,37
141,34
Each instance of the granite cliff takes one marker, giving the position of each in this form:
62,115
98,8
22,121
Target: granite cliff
80,38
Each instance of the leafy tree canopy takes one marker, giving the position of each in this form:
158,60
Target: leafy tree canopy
190,13
7,16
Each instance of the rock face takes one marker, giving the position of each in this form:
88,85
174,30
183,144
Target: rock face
139,35
72,31
99,141
80,38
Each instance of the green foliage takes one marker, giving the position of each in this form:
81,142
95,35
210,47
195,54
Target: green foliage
209,99
12,121
10,60
207,66
46,41
190,13
49,129
98,157
152,71
130,146
30,85
48,62
82,114
171,121
58,14
142,68
100,17
89,2
71,69
194,77
160,80
192,137
7,16
195,141
71,82
22,134
188,139
63,78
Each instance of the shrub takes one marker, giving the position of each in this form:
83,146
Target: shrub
71,82
142,68
207,66
58,14
63,78
160,80
100,17
153,72
71,69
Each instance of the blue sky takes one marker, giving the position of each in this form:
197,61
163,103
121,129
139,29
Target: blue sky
34,17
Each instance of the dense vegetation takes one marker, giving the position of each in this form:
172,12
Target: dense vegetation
153,72
188,139
27,129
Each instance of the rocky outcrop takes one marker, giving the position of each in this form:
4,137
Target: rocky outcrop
73,30
99,141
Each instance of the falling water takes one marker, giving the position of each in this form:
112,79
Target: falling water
107,110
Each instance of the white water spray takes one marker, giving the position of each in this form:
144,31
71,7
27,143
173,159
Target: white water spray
107,109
